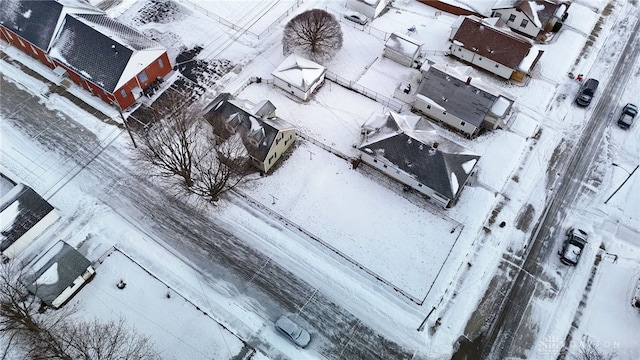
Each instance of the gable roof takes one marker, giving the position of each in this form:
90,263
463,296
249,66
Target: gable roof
464,100
255,122
55,270
299,72
490,38
538,11
413,146
103,50
403,44
21,209
37,21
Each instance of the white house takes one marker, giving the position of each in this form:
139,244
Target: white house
490,45
533,18
461,102
24,215
402,49
408,149
58,274
299,76
369,8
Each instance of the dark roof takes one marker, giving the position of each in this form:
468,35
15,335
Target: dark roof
70,264
466,102
431,167
33,20
258,133
31,208
412,144
98,47
501,46
545,10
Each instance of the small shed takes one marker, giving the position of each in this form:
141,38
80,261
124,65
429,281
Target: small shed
58,274
402,49
299,76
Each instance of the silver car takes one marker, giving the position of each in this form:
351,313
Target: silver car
293,331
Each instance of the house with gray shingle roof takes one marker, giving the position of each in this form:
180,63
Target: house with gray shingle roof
462,103
58,274
265,136
107,58
408,149
490,45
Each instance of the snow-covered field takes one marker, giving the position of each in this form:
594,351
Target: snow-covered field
444,258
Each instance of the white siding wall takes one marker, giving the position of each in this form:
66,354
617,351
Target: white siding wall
290,89
402,177
530,29
481,62
366,9
69,291
447,118
397,57
27,238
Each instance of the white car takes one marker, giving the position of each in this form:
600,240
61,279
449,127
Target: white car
293,331
356,17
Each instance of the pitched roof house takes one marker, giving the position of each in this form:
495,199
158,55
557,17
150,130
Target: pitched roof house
492,46
24,215
299,76
408,149
402,49
264,135
58,274
107,58
533,18
369,8
463,103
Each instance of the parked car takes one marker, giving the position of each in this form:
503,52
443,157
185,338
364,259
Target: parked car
293,331
356,17
573,246
587,91
629,112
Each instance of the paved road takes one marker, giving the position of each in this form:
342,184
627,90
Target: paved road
502,315
229,263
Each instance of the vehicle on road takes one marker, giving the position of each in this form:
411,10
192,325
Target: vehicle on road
629,112
573,246
587,91
356,17
293,331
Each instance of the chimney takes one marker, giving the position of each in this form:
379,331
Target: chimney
435,145
468,80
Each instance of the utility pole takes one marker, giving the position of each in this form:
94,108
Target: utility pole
624,182
125,124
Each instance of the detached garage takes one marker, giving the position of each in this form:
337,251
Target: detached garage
299,76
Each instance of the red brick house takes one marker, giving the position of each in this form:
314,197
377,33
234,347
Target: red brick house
75,39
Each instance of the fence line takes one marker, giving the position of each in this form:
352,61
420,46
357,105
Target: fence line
390,103
276,23
328,246
380,34
217,18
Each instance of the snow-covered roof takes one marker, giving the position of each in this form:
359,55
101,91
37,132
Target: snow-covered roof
459,96
103,50
530,60
299,72
55,270
20,209
417,149
403,44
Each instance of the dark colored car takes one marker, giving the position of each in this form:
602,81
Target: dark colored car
573,246
293,331
629,112
356,17
587,91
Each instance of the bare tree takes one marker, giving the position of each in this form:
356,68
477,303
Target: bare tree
169,143
589,351
315,34
31,331
221,168
94,340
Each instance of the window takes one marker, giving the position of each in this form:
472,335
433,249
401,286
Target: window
428,106
160,63
497,14
143,76
497,65
512,17
123,92
524,22
375,161
462,123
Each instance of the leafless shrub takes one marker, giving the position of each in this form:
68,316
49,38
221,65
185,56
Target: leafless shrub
315,34
590,351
